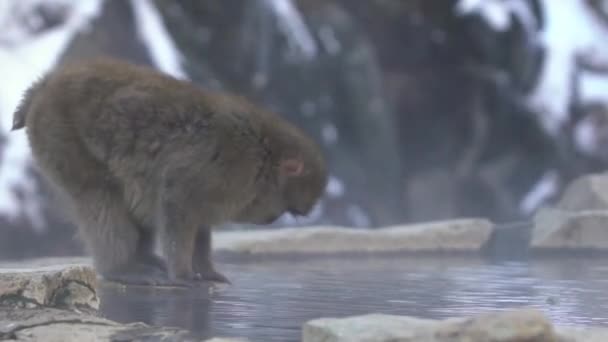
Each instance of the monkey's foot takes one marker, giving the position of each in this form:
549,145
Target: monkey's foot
209,273
153,261
143,275
214,276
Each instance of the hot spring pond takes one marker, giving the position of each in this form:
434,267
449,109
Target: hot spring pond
272,297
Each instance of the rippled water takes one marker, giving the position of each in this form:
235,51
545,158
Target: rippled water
270,299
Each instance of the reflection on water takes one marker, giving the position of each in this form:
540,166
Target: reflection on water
270,299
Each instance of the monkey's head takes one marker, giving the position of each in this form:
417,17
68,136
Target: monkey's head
304,181
295,182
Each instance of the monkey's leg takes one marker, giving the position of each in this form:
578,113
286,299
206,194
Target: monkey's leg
202,262
179,234
187,203
145,250
113,239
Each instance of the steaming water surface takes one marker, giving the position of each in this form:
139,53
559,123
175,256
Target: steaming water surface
270,299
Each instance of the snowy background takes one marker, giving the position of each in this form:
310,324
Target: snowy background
426,110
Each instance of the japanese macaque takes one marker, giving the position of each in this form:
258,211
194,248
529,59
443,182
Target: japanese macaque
140,155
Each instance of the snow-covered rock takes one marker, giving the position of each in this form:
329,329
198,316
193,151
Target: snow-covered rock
588,192
560,230
465,235
507,326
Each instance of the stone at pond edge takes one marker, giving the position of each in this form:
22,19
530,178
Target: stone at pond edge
49,324
369,328
55,299
556,229
507,326
589,192
442,236
62,286
510,326
582,334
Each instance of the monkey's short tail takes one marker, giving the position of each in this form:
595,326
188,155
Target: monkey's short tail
20,115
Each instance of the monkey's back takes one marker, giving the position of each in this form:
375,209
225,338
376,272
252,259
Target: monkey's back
124,124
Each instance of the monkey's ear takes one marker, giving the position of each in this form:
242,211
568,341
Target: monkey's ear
291,167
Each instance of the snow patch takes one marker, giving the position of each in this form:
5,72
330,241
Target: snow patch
157,40
22,20
335,187
546,187
496,13
565,43
329,40
329,133
584,137
584,36
291,22
357,216
22,63
593,87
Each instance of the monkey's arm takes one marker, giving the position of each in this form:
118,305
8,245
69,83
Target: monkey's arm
188,202
178,229
202,261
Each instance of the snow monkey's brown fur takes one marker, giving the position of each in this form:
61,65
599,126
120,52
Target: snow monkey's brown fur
137,153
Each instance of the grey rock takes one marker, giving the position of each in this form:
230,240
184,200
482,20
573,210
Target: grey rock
589,192
54,325
465,235
369,328
28,324
582,334
38,285
55,299
509,326
506,326
568,230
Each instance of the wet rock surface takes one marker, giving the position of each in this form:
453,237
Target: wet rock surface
518,325
49,324
62,286
465,235
580,334
579,220
56,300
